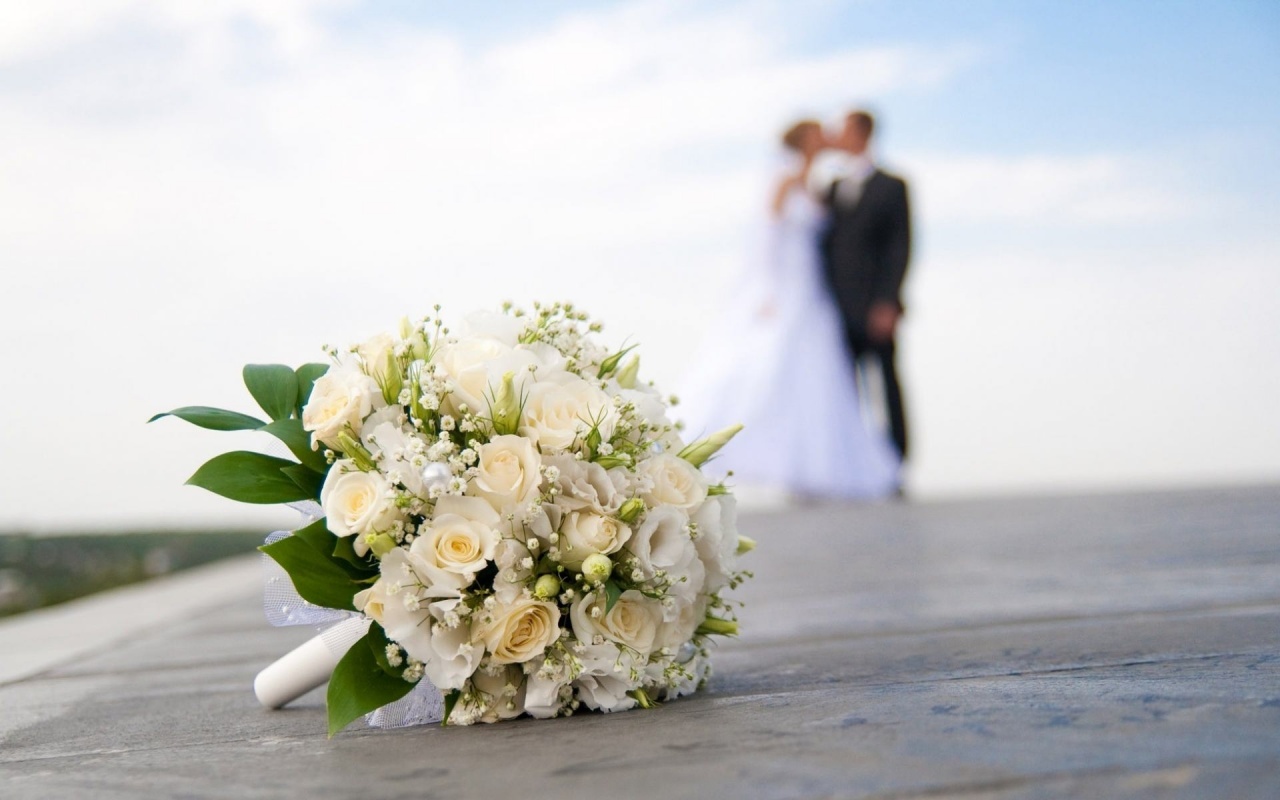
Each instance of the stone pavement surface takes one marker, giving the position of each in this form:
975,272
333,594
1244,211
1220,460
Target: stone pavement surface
1120,646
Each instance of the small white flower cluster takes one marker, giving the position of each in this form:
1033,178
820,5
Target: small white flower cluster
544,537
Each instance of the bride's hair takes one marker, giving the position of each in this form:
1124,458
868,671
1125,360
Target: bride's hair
793,138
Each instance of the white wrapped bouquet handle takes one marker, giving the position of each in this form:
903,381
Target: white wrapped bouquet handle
307,666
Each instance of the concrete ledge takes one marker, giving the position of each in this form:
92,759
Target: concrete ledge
40,640
1118,646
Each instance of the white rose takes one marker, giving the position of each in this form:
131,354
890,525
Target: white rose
340,398
563,409
516,633
583,534
633,622
377,354
476,366
357,502
372,602
456,543
672,481
464,362
507,472
717,540
499,327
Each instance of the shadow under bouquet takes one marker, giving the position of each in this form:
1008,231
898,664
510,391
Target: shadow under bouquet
508,518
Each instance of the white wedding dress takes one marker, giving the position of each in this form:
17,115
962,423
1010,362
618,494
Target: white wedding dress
778,364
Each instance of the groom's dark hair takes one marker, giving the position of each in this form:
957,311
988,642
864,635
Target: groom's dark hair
863,121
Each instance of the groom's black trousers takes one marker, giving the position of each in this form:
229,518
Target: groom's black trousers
884,354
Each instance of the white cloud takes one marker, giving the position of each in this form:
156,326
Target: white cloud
175,214
1106,189
185,187
37,29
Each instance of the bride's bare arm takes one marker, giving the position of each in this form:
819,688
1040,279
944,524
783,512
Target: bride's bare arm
780,195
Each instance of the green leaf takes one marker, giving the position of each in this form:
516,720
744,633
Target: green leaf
306,478
316,575
358,685
378,643
307,376
450,700
249,478
344,548
274,386
612,591
322,540
296,438
214,419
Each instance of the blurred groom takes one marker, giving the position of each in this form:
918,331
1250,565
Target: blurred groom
865,252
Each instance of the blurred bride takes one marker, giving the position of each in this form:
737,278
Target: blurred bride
777,363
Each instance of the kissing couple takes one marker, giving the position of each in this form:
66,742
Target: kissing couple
805,353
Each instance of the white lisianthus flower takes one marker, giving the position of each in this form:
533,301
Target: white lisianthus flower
605,678
585,485
662,542
698,668
357,502
664,530
503,693
507,472
584,534
453,657
550,360
563,409
648,402
412,617
523,630
717,542
340,399
633,622
681,625
672,481
544,694
387,414
515,570
392,447
688,579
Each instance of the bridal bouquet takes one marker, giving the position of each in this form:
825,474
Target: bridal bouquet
511,509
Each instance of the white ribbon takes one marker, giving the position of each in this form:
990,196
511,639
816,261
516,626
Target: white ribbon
309,665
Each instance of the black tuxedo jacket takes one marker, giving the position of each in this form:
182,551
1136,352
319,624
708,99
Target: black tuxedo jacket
866,247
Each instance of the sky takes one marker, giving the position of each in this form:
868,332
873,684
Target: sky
189,187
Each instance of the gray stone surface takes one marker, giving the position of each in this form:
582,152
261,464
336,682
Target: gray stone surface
1110,646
